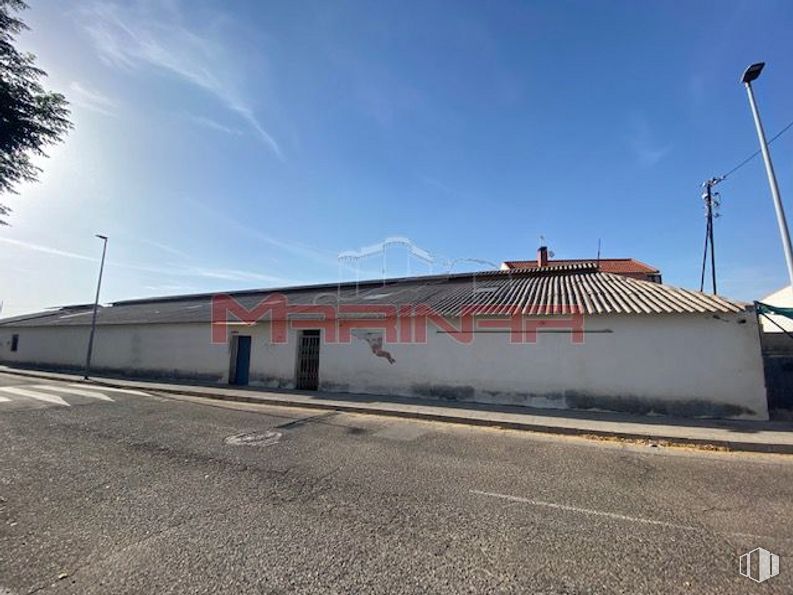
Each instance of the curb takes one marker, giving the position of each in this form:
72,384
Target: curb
498,424
730,445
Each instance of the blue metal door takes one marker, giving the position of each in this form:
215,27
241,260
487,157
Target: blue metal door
242,365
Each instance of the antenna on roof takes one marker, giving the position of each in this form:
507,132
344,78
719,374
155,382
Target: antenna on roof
598,258
543,244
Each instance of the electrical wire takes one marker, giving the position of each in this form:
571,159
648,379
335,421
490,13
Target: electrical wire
709,227
756,153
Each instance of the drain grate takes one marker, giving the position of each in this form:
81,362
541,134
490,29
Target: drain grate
254,439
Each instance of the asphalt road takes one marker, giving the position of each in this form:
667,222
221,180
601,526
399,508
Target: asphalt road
142,493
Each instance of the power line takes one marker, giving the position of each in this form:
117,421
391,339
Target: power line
756,153
712,202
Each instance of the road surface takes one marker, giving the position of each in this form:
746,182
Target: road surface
108,491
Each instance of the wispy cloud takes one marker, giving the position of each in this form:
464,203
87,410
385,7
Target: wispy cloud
444,188
164,247
196,272
644,142
233,275
225,274
92,100
319,256
170,288
48,250
437,184
135,36
213,124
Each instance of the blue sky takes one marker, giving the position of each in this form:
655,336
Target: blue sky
226,145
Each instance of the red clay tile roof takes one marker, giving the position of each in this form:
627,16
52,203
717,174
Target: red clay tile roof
619,266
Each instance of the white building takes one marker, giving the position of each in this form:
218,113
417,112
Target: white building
560,336
774,323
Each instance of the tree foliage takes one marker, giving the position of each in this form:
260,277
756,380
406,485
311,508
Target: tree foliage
30,117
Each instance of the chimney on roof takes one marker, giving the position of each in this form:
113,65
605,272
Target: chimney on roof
542,256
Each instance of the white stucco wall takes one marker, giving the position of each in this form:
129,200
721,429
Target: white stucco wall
182,350
684,360
679,364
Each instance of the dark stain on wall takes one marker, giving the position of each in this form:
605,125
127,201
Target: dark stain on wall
445,392
523,399
584,401
162,375
334,387
453,393
268,381
643,406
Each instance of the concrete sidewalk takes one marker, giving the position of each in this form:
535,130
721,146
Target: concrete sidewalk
772,437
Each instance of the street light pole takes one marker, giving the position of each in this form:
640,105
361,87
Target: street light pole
750,75
96,308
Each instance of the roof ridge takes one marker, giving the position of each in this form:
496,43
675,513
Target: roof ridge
531,263
579,267
539,291
653,284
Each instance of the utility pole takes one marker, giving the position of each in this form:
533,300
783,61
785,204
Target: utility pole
96,308
712,203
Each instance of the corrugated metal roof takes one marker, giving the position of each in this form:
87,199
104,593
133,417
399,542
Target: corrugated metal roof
620,266
49,312
541,291
589,292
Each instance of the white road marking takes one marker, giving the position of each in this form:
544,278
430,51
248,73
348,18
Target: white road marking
619,517
14,390
55,393
254,439
611,515
72,391
126,391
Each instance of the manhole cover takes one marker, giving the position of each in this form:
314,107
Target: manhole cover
254,439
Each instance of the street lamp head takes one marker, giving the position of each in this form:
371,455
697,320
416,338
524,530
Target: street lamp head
101,237
752,72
